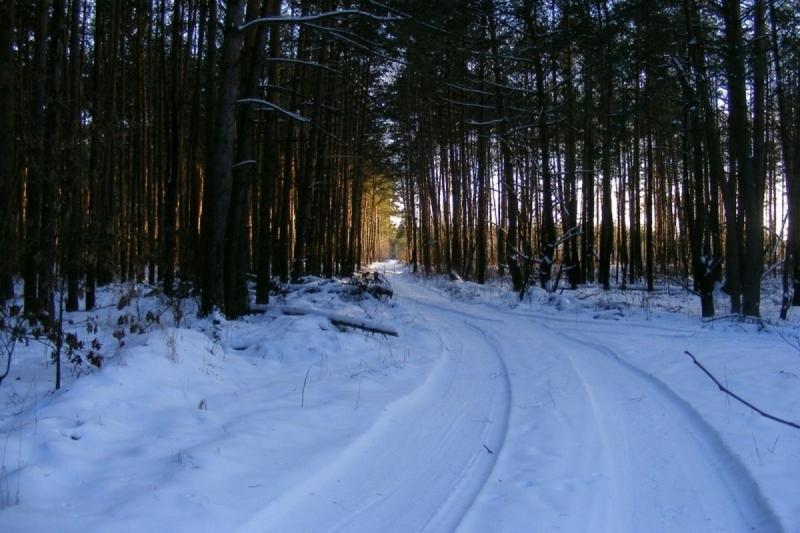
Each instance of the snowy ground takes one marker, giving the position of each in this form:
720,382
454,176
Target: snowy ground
573,412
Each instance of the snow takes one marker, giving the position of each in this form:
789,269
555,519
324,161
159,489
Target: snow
573,412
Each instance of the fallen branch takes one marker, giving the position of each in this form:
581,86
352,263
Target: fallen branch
337,319
734,396
303,393
366,325
372,283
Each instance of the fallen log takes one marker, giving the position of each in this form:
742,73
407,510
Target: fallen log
365,325
337,319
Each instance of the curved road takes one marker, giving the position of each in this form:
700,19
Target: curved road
525,427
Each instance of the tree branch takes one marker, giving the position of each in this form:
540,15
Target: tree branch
274,107
313,18
734,396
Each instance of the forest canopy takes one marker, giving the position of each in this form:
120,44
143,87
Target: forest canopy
222,146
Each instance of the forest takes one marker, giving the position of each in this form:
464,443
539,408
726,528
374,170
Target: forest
217,148
399,265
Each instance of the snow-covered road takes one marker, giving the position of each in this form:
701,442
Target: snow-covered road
526,426
485,415
422,464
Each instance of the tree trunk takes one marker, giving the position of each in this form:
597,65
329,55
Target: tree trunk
237,238
271,166
216,208
169,244
509,252
73,219
548,229
587,250
649,193
570,216
8,172
481,256
744,168
607,217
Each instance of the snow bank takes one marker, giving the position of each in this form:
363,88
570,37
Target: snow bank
195,428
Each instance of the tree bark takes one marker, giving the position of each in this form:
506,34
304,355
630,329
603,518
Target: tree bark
271,166
587,249
216,208
750,186
8,173
607,216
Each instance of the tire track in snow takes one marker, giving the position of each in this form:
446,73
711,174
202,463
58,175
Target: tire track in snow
644,459
709,459
498,352
421,465
611,450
